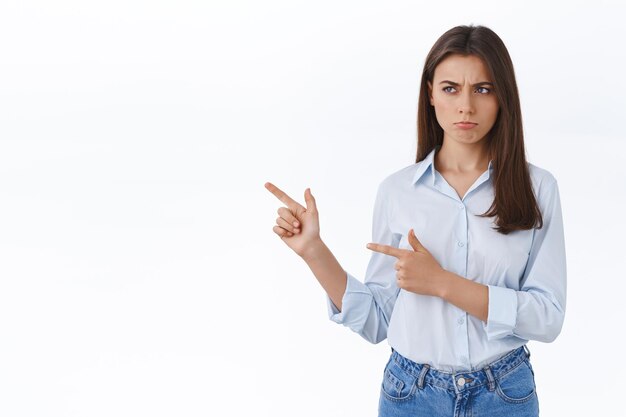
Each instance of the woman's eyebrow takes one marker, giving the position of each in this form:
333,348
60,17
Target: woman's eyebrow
477,84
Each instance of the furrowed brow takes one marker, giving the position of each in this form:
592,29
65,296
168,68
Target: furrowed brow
475,85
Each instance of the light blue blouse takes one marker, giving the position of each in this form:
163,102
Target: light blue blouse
525,271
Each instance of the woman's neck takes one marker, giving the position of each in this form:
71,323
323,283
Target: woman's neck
462,158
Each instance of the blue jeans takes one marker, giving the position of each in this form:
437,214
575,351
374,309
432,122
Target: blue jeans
505,387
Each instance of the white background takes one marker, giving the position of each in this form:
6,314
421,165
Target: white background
139,273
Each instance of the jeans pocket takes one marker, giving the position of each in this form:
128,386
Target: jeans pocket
398,384
518,385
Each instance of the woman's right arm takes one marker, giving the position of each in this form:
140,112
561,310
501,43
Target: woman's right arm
327,270
304,239
366,307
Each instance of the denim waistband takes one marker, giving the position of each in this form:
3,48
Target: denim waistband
463,381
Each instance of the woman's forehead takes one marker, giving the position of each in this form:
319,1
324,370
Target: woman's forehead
457,68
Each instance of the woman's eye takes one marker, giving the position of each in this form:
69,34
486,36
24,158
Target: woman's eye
487,90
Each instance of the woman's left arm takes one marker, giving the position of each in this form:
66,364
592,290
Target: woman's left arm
537,310
467,295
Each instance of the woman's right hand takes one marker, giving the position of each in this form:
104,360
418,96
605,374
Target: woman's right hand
306,232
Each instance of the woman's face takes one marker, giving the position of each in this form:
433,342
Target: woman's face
470,99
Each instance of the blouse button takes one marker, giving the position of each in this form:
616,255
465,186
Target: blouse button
461,243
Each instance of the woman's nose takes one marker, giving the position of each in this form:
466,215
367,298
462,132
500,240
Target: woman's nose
465,103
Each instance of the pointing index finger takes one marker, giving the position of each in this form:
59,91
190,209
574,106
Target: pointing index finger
282,196
386,249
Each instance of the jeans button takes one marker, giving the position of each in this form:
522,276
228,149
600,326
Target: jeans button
460,381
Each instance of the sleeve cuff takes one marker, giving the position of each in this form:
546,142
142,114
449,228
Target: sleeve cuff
353,287
502,312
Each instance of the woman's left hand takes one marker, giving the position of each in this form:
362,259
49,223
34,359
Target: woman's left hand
418,270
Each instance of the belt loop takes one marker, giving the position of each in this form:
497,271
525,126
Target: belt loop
420,381
527,351
492,384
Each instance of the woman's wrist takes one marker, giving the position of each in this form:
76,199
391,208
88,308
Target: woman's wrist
314,250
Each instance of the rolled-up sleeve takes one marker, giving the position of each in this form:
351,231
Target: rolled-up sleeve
367,306
537,310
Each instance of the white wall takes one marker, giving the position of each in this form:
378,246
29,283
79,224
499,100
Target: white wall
139,274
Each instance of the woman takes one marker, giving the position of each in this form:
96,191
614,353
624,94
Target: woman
468,255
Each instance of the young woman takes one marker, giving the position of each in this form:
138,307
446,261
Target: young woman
468,253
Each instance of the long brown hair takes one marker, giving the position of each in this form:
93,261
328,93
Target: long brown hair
514,204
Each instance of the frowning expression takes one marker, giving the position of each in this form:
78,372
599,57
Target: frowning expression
462,90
